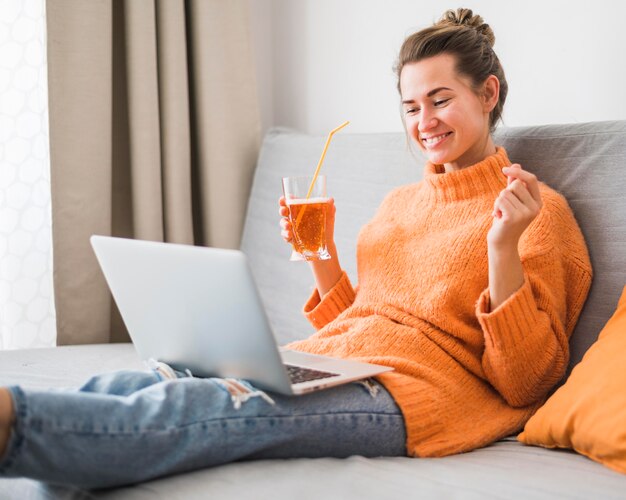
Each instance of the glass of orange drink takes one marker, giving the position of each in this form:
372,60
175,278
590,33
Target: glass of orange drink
307,214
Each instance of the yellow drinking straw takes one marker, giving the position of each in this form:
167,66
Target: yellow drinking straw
319,166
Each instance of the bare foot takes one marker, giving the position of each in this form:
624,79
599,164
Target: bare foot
7,417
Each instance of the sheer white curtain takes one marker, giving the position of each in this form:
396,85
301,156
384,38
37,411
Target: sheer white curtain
27,314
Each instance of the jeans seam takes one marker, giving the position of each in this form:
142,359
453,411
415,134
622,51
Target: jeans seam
211,421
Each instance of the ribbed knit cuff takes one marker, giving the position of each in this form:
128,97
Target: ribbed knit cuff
512,323
322,311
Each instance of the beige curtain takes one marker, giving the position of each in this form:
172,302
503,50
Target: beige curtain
154,133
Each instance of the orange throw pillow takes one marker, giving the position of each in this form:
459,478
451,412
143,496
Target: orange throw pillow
588,413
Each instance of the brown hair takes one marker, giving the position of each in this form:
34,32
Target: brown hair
470,40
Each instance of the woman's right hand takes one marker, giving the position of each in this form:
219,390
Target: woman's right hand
285,224
325,272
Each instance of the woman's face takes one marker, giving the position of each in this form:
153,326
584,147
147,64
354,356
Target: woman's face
444,115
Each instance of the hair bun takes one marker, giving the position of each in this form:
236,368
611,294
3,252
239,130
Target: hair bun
465,17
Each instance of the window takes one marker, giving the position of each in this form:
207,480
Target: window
27,316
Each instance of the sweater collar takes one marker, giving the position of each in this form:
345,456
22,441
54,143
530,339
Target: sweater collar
483,177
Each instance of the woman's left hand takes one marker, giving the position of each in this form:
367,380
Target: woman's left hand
515,207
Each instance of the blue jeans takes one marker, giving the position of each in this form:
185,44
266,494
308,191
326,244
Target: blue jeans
131,426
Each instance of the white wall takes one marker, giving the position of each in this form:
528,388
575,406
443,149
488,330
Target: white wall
320,62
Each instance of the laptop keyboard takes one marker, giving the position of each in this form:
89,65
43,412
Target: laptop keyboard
299,374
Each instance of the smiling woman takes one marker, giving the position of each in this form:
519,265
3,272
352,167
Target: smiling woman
453,89
449,123
465,288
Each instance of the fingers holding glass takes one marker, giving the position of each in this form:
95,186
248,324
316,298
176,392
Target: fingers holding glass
307,204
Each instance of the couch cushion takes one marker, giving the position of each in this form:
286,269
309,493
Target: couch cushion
585,162
360,170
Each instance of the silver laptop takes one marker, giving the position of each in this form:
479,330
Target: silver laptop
198,308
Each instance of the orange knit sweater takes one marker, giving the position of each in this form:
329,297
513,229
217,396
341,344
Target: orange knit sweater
464,376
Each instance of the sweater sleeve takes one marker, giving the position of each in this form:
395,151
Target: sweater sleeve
321,311
527,336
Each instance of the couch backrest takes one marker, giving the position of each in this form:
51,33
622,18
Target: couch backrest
585,162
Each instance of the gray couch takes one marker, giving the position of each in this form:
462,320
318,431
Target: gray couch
586,162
